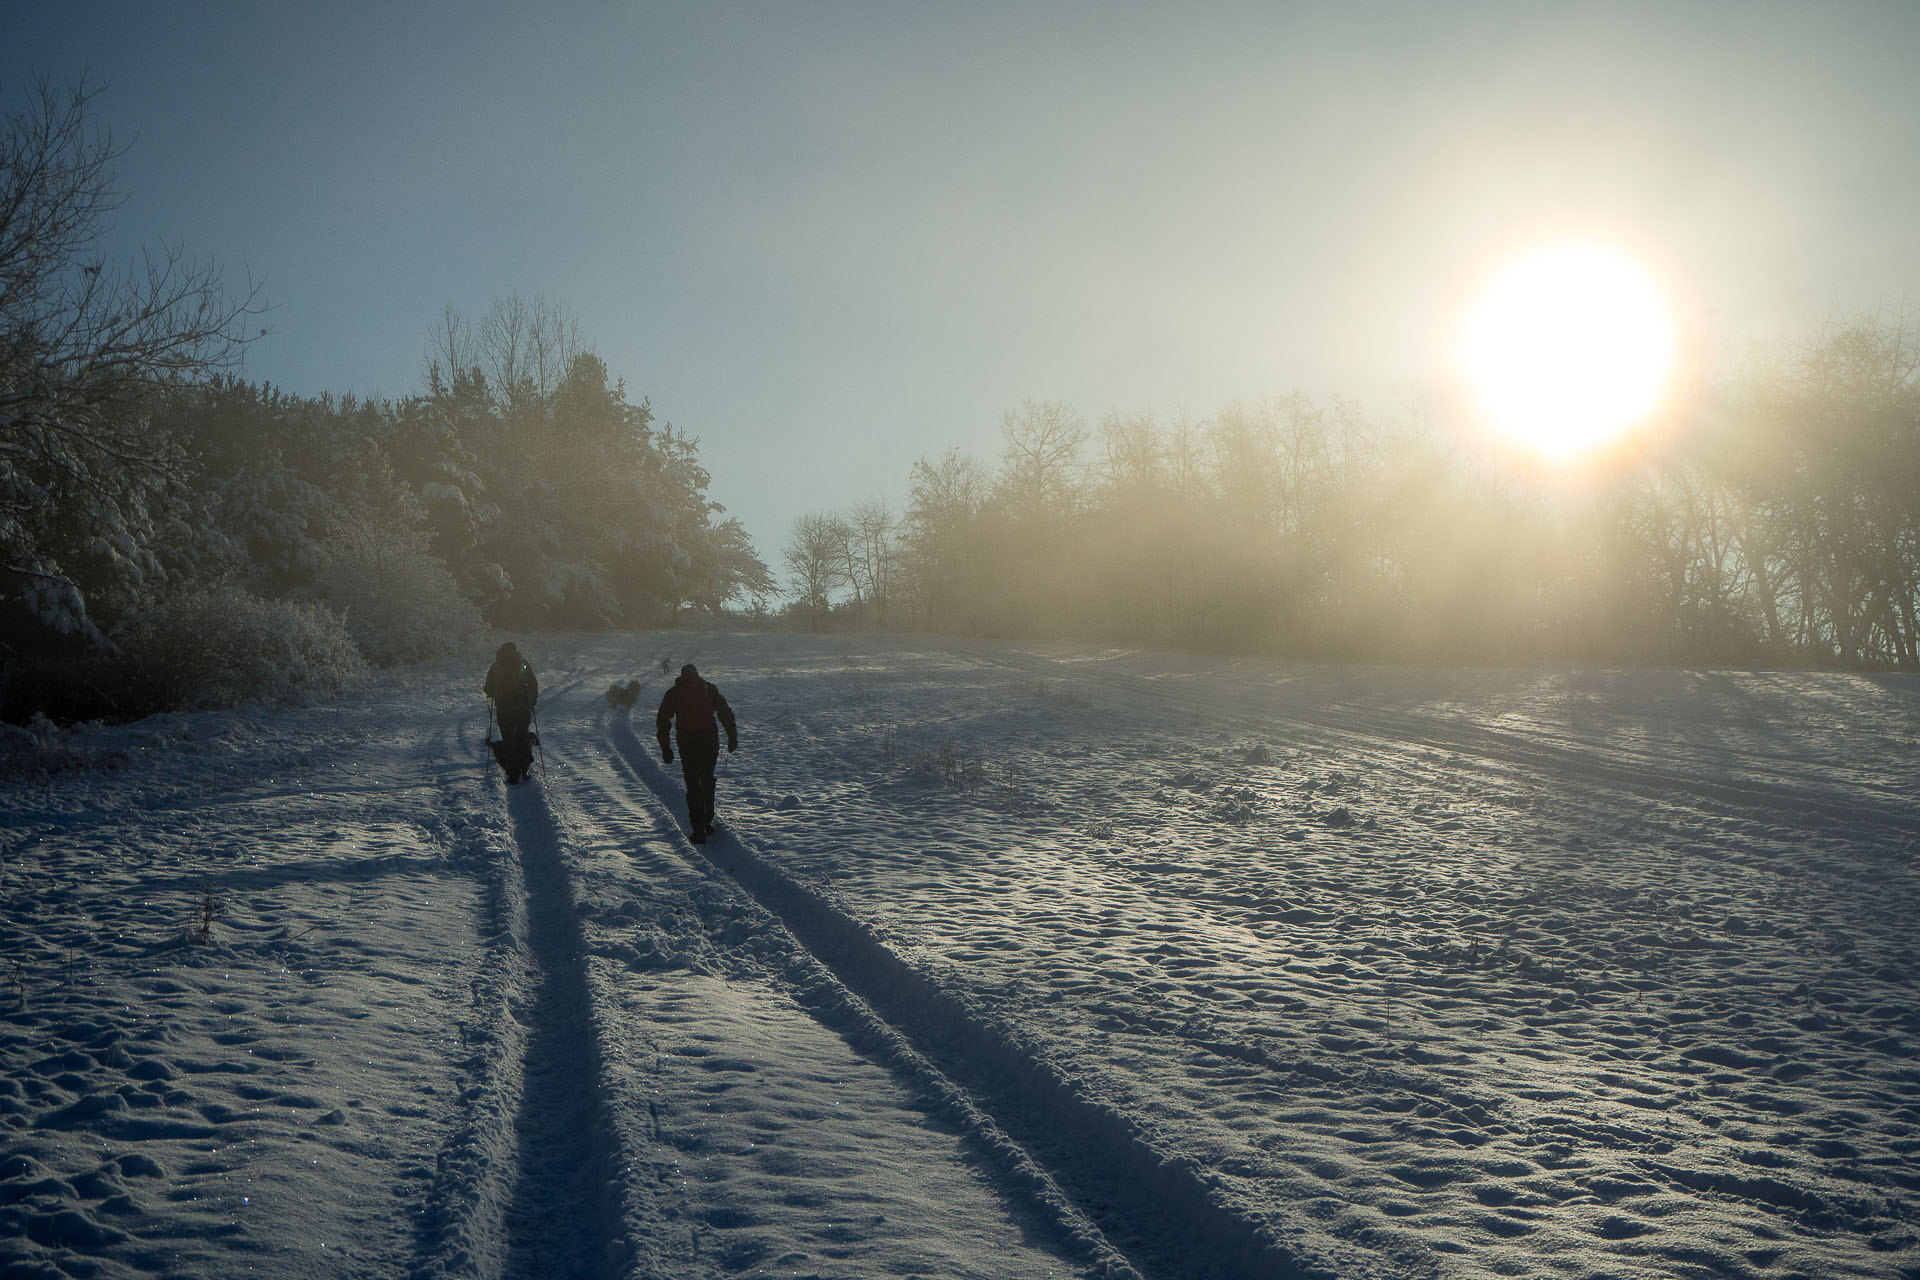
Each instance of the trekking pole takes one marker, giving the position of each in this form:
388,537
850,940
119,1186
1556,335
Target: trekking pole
489,722
539,746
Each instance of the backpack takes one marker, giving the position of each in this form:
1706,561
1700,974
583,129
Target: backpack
693,706
515,688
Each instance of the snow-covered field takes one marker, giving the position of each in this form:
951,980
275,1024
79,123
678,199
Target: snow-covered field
1008,961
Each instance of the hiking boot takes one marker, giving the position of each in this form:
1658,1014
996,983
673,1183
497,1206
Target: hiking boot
698,835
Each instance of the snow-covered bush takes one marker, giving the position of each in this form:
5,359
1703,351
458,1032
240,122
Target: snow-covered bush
399,600
222,645
40,748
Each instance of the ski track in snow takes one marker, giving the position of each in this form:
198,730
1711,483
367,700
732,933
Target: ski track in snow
782,1024
1007,961
562,1220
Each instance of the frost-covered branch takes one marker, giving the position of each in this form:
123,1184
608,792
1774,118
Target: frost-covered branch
84,347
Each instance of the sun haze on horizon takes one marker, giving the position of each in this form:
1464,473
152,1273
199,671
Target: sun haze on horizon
1567,347
833,240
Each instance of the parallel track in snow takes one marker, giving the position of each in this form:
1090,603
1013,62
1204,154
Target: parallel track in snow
563,1219
561,1215
1046,1133
814,983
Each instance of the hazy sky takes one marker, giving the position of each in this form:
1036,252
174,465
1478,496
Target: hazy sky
828,239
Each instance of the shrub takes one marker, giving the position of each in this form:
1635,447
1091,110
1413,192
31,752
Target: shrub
222,645
399,601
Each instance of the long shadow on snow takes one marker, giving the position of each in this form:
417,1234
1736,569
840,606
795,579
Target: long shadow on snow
563,1219
1155,1207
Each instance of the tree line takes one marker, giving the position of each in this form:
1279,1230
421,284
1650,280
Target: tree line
1777,521
173,535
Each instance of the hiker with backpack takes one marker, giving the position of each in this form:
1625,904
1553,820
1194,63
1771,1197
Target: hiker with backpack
514,691
687,714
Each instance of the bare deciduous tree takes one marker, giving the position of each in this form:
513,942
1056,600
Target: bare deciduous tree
871,555
84,344
1037,468
816,555
524,347
941,540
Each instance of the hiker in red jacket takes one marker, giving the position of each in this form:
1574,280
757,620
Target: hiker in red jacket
695,704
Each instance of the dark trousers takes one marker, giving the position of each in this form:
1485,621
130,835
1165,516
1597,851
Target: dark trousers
699,753
516,742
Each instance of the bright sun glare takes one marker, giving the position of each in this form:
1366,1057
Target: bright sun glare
1568,347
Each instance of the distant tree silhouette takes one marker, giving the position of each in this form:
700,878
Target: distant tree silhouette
1779,520
1832,481
815,556
942,559
873,557
561,502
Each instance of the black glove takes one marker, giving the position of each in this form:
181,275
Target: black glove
732,746
668,753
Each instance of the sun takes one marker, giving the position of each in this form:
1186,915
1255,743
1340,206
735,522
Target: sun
1568,347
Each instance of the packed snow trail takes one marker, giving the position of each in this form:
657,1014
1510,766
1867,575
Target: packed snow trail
1060,1143
778,1113
564,1219
1009,961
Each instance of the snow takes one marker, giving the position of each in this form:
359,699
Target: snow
1006,961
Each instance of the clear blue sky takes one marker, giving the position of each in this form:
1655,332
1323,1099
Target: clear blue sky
828,239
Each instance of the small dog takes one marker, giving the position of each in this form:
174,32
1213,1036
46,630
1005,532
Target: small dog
624,695
666,665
